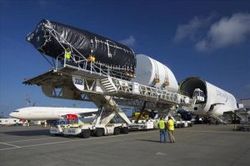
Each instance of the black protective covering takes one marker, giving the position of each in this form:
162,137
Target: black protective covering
105,50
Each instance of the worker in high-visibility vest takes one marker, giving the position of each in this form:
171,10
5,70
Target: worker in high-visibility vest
163,128
170,125
67,54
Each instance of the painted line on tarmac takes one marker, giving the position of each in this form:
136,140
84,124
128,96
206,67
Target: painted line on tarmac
216,132
71,141
34,139
13,146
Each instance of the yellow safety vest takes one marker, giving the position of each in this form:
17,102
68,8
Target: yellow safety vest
171,124
67,55
162,124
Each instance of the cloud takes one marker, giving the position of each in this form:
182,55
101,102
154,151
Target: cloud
192,30
226,32
208,34
130,41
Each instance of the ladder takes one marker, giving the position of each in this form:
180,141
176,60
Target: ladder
108,85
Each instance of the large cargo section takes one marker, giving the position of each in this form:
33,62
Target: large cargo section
153,73
51,38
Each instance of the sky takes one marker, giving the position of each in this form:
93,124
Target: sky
209,39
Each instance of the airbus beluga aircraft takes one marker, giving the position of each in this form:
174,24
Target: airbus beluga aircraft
48,113
210,100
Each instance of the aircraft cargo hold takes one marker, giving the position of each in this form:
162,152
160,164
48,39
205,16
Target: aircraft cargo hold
210,99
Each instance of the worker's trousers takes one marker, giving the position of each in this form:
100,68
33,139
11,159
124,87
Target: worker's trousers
171,136
163,135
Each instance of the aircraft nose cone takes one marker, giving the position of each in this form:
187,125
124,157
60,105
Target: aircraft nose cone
12,114
16,113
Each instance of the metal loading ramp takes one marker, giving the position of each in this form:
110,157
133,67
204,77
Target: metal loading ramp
70,82
83,83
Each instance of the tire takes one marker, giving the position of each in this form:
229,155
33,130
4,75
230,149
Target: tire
85,133
99,132
117,131
124,130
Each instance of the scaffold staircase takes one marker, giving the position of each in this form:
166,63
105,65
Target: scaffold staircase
108,85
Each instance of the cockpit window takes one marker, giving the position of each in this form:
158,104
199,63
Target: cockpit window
15,111
199,95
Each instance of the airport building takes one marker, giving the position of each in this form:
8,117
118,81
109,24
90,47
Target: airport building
246,103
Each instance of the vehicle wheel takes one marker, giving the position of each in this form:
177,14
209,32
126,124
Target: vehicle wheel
99,132
117,131
124,130
85,133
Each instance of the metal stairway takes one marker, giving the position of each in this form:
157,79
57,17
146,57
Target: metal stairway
108,85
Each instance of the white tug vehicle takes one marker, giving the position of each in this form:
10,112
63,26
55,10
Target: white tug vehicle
76,125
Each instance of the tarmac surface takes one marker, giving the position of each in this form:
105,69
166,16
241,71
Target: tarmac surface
202,145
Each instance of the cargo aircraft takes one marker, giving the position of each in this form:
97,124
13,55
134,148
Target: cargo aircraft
210,100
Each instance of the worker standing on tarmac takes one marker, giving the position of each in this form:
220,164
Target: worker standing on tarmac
170,125
163,130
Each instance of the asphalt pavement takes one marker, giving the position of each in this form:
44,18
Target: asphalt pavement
201,145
